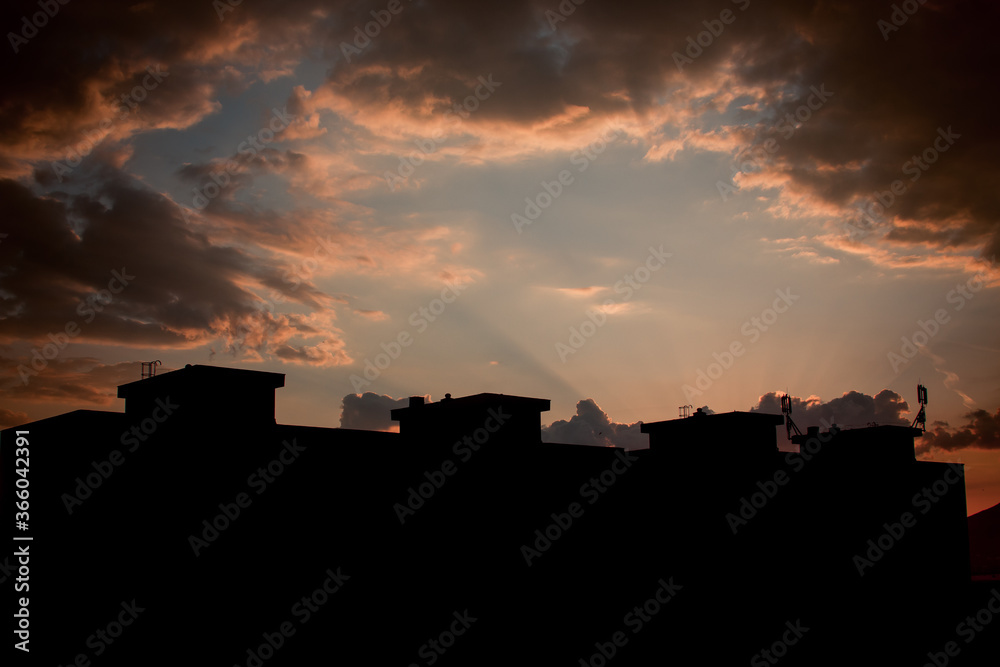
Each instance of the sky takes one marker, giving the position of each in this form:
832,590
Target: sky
621,207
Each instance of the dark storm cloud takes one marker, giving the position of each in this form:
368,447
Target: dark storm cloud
77,67
892,89
123,266
980,431
369,411
893,93
854,408
68,380
911,108
600,50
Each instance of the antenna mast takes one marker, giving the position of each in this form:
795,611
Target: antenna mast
921,417
786,409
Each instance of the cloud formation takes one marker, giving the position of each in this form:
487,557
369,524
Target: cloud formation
854,408
84,78
122,266
306,225
592,426
370,411
980,431
69,380
756,81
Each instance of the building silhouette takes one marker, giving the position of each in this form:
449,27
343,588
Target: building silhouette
466,540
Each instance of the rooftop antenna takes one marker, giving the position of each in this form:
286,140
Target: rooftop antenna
786,409
685,411
149,368
921,417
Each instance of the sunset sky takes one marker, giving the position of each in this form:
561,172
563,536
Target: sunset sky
621,207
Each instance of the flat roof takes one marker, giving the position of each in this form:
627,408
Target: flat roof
483,400
198,374
728,420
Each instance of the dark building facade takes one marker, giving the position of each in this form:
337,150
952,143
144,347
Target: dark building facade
225,538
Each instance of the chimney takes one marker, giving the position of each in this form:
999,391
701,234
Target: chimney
416,401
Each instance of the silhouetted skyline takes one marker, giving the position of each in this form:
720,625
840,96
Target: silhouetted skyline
644,204
465,538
